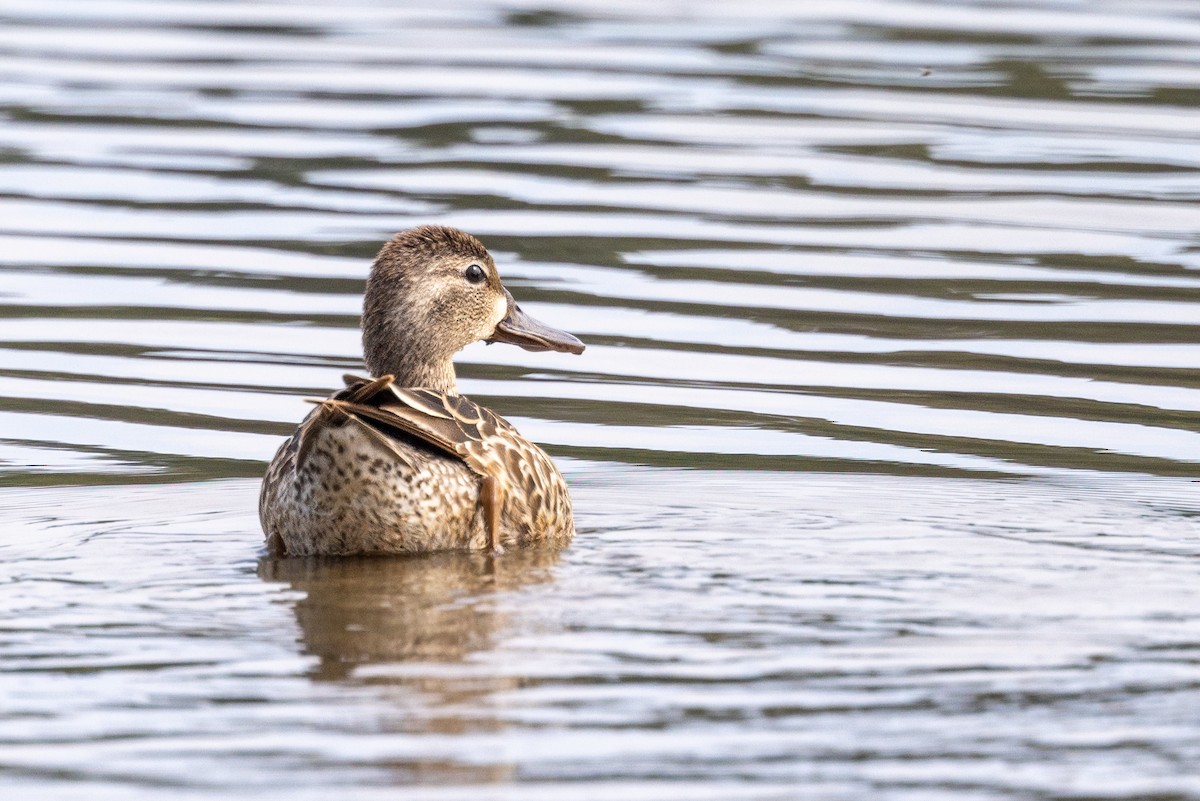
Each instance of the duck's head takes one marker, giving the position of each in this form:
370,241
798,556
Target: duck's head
432,291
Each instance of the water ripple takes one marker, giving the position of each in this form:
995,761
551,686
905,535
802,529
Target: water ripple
879,445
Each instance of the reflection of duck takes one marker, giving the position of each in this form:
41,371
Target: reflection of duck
425,608
402,463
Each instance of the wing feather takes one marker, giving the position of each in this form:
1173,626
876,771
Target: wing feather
427,401
383,439
451,424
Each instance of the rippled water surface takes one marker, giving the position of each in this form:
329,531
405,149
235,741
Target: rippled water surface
882,448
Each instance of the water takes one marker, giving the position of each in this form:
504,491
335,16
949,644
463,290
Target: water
882,448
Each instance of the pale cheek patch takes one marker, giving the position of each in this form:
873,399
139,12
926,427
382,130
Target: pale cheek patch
501,309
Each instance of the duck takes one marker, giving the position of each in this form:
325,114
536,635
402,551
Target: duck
399,462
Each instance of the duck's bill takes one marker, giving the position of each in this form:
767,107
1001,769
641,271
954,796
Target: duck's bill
518,328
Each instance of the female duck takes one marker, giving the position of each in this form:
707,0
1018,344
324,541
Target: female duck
402,463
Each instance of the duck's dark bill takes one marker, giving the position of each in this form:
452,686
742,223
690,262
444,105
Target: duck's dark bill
518,328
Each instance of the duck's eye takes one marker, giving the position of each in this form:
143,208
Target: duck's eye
475,274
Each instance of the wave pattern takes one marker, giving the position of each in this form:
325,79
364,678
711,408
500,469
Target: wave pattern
797,238
911,290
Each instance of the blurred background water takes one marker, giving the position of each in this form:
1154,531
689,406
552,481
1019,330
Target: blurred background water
881,449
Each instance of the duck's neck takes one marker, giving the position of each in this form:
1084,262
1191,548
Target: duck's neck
413,368
400,338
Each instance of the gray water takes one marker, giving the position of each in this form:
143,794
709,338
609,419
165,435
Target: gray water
882,449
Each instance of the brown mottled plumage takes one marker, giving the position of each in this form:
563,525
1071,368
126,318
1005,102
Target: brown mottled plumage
402,463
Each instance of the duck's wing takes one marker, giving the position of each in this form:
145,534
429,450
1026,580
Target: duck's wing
452,424
480,439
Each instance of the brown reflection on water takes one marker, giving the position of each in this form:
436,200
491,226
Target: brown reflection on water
412,619
419,609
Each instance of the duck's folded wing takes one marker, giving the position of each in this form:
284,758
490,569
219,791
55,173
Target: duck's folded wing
452,424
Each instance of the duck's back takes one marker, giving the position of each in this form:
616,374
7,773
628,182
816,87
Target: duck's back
383,469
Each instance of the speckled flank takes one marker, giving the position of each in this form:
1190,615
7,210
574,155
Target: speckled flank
352,496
